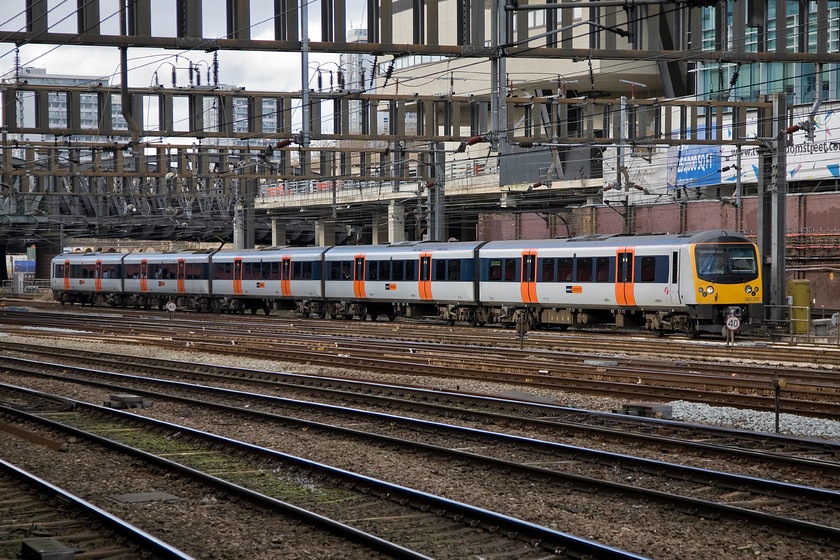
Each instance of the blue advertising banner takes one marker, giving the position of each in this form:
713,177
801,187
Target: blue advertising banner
693,165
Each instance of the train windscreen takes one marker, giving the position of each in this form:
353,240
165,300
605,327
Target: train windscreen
726,263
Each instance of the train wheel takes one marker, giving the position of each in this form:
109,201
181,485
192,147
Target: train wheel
363,314
392,316
693,331
322,314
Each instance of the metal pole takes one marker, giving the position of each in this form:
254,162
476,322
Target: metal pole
778,191
738,190
304,73
502,79
495,96
439,209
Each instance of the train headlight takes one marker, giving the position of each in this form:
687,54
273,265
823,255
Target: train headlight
701,290
748,289
710,290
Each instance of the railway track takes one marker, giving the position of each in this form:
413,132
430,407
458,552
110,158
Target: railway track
798,453
640,344
428,524
811,391
42,520
750,498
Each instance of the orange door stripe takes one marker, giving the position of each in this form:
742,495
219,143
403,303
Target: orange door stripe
144,281
359,276
425,286
237,276
182,270
285,276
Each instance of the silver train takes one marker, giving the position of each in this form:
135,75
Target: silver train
689,283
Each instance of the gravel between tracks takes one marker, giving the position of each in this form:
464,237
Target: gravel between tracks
687,539
789,424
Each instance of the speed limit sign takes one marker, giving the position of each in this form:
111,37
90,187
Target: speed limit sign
732,323
171,307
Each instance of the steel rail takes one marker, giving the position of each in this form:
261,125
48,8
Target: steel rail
548,539
611,344
150,544
704,508
550,416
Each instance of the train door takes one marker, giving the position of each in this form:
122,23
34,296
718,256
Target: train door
144,275
425,276
237,276
624,276
528,277
359,276
182,276
674,287
286,276
66,275
97,275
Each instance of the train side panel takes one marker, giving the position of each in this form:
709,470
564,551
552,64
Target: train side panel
86,277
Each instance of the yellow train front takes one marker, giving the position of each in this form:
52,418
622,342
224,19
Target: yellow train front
726,282
689,283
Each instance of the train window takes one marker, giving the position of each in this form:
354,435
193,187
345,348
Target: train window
646,269
385,270
132,270
425,268
652,269
410,271
510,270
494,273
454,272
440,270
251,271
548,270
223,271
674,267
372,270
584,269
727,264
604,269
194,271
58,271
397,268
111,271
564,269
306,270
316,270
341,270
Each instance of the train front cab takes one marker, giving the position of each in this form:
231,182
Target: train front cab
727,282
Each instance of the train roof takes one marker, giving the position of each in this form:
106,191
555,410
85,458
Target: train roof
88,255
620,240
268,252
404,247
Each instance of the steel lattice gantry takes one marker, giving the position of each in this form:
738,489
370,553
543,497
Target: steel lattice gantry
668,31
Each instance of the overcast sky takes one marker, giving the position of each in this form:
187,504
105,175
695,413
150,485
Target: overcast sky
256,71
